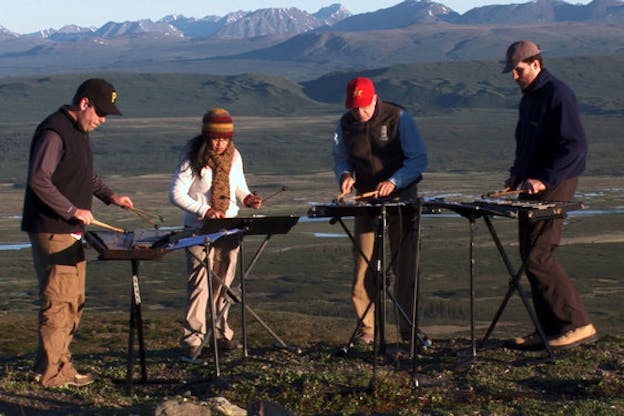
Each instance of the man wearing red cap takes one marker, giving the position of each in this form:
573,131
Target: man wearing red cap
377,148
550,155
57,206
206,185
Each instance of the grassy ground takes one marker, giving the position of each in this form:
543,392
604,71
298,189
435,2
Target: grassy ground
323,379
300,286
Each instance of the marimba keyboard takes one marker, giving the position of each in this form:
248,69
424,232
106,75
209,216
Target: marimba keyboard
533,210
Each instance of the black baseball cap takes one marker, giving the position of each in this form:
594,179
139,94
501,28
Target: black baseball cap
101,93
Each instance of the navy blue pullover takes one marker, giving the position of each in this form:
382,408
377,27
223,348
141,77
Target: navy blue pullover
550,140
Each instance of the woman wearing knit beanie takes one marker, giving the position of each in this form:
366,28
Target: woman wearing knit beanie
206,185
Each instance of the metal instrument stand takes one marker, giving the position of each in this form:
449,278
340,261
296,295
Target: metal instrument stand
210,333
244,272
379,330
266,226
514,284
382,292
416,297
473,211
136,324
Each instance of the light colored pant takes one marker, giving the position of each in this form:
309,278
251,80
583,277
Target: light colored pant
62,295
402,253
222,262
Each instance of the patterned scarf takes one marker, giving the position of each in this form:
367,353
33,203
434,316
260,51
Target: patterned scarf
221,166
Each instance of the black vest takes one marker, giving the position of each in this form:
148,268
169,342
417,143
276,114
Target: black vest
374,146
73,177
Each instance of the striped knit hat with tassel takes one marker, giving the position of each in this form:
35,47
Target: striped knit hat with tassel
217,123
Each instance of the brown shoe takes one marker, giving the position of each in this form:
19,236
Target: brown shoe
81,380
364,339
225,345
582,335
75,379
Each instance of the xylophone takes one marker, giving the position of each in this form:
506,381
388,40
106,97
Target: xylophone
135,247
471,210
369,207
142,245
381,208
534,210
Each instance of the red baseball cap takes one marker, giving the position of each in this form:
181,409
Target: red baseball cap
360,92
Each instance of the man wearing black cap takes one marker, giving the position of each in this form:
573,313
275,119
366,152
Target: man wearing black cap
377,149
57,205
550,155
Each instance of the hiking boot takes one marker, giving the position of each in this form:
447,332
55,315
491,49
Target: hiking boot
582,335
364,339
81,380
228,344
76,379
529,342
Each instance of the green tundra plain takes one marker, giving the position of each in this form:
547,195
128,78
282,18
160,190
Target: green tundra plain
301,283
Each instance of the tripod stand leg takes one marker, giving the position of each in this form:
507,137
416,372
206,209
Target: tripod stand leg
514,283
210,333
241,268
472,290
357,329
212,309
246,308
136,324
130,359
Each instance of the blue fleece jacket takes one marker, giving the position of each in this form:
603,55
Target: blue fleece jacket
550,140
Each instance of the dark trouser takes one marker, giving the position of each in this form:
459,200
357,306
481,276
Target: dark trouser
557,303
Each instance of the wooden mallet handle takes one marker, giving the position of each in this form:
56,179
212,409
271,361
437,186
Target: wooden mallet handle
504,192
108,227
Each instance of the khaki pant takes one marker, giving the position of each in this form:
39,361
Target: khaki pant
402,253
222,262
61,271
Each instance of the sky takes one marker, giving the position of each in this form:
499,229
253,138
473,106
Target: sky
27,16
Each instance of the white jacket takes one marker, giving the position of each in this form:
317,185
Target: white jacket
192,193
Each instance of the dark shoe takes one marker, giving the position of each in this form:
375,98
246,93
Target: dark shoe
583,335
190,353
531,342
225,345
420,338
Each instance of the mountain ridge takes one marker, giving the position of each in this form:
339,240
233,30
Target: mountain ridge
337,17
273,41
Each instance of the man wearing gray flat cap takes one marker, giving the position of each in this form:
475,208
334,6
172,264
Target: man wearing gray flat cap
551,149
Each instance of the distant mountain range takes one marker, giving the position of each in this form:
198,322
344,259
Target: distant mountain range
272,21
289,41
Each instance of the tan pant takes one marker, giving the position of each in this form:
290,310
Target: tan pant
222,262
402,253
61,271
